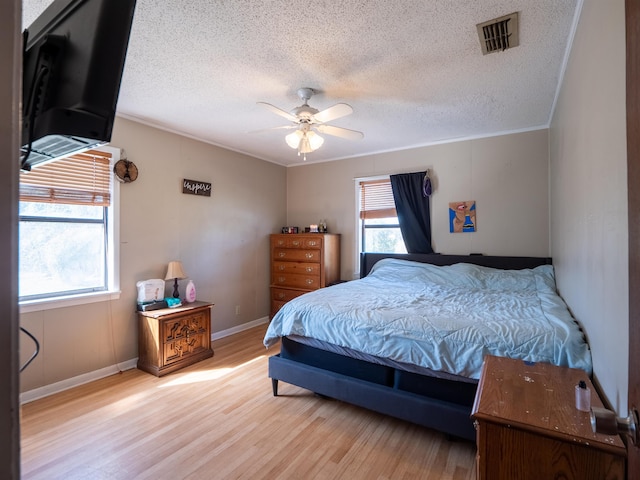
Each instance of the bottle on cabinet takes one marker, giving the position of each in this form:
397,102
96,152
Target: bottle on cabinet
190,292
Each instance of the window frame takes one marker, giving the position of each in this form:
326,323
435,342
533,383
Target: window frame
112,258
364,228
359,222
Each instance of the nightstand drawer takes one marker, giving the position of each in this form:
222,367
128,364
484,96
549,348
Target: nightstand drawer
181,327
182,348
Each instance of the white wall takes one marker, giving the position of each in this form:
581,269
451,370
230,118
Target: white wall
506,175
221,240
588,189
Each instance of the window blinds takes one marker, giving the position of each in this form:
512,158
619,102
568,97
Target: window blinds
81,179
376,199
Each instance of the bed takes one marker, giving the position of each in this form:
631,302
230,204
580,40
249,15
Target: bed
408,338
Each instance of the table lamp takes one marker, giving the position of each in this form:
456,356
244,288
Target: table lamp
175,271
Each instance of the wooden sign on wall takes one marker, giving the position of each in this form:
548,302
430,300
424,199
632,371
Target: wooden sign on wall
194,187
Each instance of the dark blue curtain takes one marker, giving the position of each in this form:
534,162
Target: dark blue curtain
412,205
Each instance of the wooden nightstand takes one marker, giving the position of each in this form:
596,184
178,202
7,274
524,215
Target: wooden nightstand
529,428
172,338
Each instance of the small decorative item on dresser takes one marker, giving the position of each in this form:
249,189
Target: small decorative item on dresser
583,396
173,302
151,294
190,292
175,272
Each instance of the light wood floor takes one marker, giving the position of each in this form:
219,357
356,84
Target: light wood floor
218,419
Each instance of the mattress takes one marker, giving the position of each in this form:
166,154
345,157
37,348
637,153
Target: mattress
442,318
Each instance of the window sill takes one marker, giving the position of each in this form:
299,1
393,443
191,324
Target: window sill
68,301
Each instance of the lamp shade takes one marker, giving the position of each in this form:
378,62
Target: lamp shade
304,140
174,270
315,140
293,139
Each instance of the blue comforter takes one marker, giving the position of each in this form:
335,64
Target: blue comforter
443,318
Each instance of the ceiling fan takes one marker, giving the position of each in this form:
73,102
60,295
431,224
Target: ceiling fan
307,120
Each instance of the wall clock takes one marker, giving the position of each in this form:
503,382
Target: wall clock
125,171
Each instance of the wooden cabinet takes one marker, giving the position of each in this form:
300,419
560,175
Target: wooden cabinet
301,263
172,338
529,428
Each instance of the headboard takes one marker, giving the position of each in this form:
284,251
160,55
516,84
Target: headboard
368,260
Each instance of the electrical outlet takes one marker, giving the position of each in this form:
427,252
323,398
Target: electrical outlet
237,309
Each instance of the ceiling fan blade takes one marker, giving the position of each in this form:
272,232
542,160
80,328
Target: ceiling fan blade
279,111
284,127
331,113
340,132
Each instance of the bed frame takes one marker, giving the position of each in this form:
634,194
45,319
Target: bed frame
441,404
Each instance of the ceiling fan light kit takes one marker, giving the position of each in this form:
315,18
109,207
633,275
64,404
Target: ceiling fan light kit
307,120
304,140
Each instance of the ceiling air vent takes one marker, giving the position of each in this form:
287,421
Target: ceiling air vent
499,34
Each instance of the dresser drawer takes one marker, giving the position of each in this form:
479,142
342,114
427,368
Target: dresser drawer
284,294
275,307
280,296
292,255
300,268
294,241
310,282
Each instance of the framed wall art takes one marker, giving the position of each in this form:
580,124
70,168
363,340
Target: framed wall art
462,216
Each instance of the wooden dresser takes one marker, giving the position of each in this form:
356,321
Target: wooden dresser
172,338
301,263
529,428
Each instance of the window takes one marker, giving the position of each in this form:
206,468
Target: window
66,228
378,220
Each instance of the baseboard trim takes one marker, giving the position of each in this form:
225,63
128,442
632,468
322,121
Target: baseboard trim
239,328
41,392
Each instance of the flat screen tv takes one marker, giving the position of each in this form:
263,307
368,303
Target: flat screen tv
74,55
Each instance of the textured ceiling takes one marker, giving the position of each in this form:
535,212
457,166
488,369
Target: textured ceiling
413,71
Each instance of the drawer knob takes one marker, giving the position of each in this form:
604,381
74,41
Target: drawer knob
296,243
281,279
280,296
313,243
309,281
308,255
281,254
309,269
280,267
